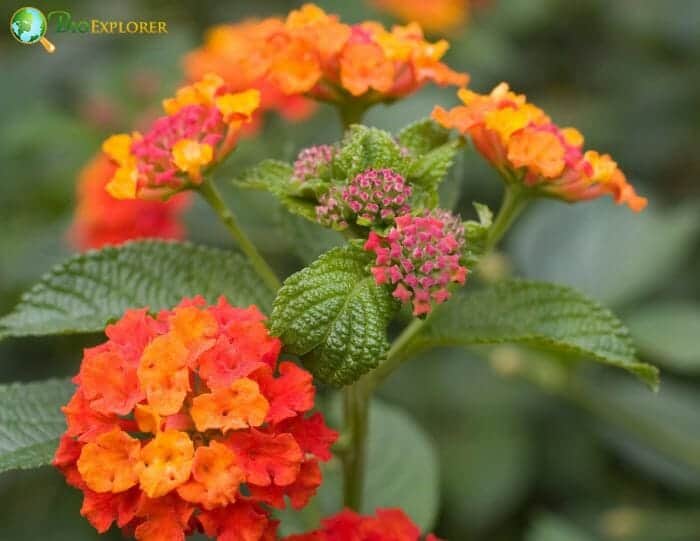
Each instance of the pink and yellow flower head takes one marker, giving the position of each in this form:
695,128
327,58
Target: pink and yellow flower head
185,421
201,126
385,525
419,257
100,219
522,142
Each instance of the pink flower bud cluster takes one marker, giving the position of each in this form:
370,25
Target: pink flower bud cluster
420,256
373,197
310,160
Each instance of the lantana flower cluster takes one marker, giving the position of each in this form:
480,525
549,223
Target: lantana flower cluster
185,421
374,197
521,141
100,219
314,54
311,160
420,257
201,126
387,525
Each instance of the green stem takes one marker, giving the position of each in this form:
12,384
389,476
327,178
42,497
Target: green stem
351,113
394,356
213,197
356,401
515,199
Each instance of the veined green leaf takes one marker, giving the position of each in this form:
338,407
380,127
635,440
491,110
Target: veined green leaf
536,314
422,136
87,291
31,422
364,148
334,315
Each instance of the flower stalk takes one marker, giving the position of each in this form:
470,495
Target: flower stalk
212,196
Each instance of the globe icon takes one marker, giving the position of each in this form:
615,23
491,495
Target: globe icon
28,25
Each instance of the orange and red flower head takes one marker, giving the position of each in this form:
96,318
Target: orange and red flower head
201,126
100,219
320,56
522,142
314,54
239,54
386,525
185,421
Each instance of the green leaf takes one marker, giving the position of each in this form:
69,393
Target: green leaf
553,528
307,240
364,148
659,436
334,315
31,422
669,333
401,471
476,234
429,170
88,290
606,251
422,136
270,175
546,316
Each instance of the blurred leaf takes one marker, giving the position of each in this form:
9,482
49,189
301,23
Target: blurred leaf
592,239
333,313
541,315
31,422
476,234
427,172
422,136
270,175
401,471
487,461
88,290
669,333
660,433
552,528
307,240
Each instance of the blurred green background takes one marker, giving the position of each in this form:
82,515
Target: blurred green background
520,457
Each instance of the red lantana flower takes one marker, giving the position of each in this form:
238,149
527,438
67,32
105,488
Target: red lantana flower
387,525
100,219
185,421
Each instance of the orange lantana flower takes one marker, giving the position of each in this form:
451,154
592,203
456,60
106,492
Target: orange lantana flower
239,406
239,54
166,463
110,463
193,426
216,476
523,143
433,15
202,125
